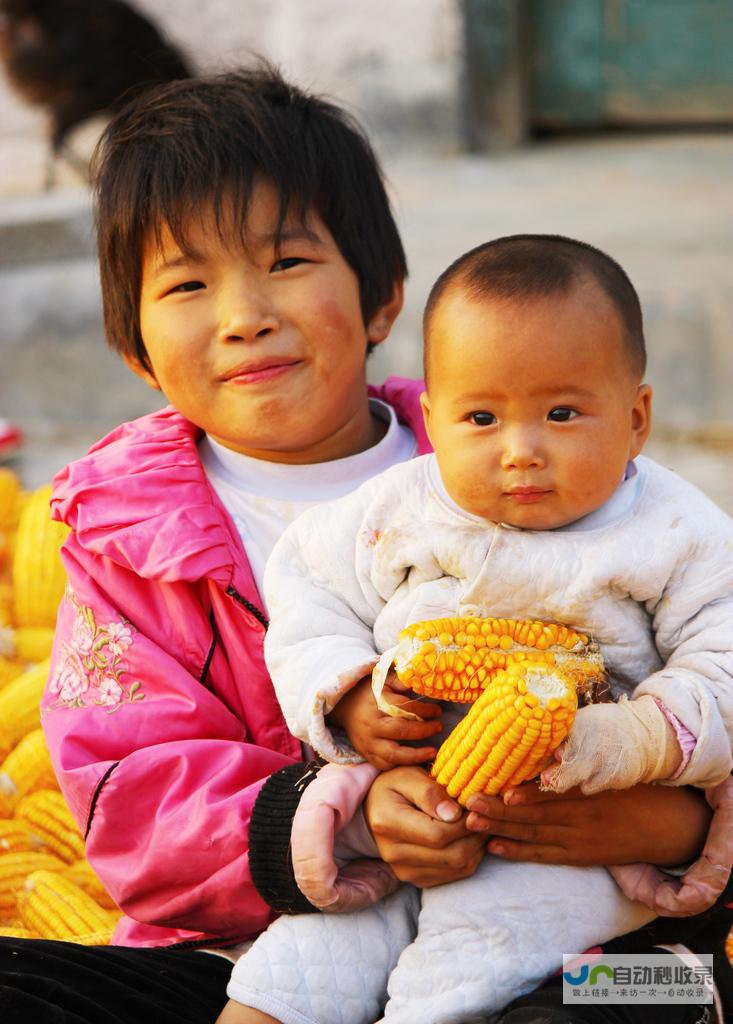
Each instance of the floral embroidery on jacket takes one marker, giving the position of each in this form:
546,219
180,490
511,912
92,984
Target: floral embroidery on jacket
91,666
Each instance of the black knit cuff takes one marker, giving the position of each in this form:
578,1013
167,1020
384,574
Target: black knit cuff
270,827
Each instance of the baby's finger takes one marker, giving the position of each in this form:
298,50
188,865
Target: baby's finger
397,754
406,728
417,705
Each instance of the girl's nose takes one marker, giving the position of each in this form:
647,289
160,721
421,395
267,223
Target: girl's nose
246,315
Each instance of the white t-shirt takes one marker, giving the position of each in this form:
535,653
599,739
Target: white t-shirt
264,497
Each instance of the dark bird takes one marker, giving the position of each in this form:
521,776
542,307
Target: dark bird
82,58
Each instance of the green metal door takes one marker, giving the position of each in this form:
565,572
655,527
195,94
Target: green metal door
595,62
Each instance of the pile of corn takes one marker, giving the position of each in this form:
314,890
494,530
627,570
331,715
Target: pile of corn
47,888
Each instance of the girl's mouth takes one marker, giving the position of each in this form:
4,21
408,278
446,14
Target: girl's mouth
255,373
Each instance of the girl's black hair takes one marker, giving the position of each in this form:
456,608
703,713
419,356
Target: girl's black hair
207,141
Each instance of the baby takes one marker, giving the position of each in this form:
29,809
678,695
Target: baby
534,505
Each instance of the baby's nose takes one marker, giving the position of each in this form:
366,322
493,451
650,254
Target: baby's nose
521,449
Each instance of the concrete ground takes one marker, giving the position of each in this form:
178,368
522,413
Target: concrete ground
661,204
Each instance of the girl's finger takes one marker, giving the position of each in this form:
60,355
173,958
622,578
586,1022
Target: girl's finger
435,867
535,853
527,795
494,811
527,832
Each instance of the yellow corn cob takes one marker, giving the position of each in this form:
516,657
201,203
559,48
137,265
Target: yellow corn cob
6,600
5,747
9,494
455,659
20,703
7,637
16,837
46,814
82,874
9,670
33,643
509,734
10,931
38,575
15,868
52,906
26,768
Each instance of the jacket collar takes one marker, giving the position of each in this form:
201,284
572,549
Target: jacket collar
171,525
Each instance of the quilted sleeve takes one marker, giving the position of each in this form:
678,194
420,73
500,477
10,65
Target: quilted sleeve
693,627
322,606
156,769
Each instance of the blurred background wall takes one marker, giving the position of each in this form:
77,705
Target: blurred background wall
608,120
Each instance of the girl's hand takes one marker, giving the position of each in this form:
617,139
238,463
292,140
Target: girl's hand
661,825
380,738
420,832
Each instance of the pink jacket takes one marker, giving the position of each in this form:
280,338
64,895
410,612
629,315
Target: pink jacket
159,713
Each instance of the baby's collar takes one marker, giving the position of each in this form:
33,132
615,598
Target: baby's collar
611,510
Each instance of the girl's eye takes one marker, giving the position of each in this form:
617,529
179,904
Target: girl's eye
288,262
561,414
482,419
188,286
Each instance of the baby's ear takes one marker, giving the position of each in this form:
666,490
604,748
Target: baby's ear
425,405
381,322
134,364
641,419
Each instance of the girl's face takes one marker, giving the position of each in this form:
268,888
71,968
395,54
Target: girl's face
264,350
533,407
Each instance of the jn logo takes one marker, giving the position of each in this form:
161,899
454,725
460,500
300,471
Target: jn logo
590,974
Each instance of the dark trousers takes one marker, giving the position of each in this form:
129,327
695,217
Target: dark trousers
43,982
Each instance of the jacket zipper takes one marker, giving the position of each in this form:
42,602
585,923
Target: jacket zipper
221,943
95,797
251,608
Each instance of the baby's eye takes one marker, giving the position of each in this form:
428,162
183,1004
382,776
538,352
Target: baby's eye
482,419
287,263
561,414
188,286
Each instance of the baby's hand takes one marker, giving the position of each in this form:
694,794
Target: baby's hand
615,746
378,737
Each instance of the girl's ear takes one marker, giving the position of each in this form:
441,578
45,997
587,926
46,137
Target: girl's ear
134,364
641,419
380,324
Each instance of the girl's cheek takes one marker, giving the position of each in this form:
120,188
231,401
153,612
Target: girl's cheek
331,315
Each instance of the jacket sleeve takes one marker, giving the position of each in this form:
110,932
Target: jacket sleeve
322,605
156,769
693,627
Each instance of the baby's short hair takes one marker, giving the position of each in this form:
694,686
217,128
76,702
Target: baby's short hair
209,140
529,266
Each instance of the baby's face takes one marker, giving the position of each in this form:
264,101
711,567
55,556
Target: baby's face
533,407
